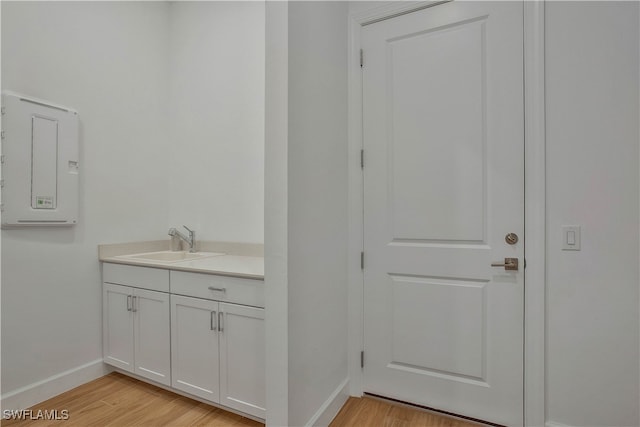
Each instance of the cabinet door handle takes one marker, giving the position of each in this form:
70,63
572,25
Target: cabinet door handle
223,290
128,302
133,304
212,321
220,324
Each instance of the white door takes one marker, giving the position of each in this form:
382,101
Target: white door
194,347
152,335
242,356
443,185
117,326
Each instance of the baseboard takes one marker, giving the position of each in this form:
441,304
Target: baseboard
329,409
555,424
40,391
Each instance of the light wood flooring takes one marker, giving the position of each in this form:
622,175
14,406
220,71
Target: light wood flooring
116,400
371,411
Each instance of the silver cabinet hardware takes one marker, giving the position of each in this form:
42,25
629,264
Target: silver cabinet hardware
220,318
133,305
508,264
128,302
212,321
223,290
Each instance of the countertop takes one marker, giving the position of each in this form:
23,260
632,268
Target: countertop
238,260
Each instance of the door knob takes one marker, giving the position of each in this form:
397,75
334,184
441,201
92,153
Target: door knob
508,264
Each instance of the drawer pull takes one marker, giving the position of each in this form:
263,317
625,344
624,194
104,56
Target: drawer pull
223,290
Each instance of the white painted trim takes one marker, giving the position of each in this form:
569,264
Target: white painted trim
330,408
355,289
554,424
2,405
275,212
40,391
391,9
535,210
535,215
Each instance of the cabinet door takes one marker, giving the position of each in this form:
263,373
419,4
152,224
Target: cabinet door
194,347
152,335
117,334
242,350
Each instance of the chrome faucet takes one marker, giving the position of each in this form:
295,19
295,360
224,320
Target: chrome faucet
191,240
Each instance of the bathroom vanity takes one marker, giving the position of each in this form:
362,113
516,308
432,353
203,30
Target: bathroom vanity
193,323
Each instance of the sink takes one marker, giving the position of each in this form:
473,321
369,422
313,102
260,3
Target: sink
171,256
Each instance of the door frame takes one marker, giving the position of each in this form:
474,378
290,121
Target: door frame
535,198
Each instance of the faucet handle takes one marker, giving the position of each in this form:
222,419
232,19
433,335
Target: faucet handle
192,239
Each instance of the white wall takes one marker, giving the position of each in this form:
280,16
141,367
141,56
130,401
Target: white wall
217,119
108,61
276,212
592,181
317,192
171,106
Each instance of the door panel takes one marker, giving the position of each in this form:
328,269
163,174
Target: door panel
194,347
242,359
424,125
443,184
118,326
152,335
451,348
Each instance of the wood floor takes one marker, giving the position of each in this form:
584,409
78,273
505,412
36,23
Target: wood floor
370,411
116,400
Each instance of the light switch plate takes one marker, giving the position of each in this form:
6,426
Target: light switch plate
571,238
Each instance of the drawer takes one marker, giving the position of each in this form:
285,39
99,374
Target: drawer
155,279
218,288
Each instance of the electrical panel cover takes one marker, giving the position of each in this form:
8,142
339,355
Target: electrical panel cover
40,169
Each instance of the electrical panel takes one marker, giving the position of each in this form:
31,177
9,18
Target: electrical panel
40,169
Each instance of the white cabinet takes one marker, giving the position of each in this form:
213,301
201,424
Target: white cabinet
151,333
136,330
242,351
117,332
217,348
195,347
237,290
201,334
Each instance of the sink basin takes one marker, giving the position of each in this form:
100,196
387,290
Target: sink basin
171,256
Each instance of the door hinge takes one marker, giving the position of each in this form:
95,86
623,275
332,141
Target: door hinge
361,58
362,159
362,359
361,260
